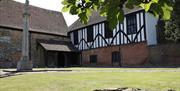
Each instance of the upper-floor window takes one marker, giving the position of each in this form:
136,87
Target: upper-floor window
131,23
108,31
89,33
75,37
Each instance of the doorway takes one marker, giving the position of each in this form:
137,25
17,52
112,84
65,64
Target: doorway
116,58
61,60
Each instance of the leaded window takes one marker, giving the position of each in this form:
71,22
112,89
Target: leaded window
108,31
131,23
75,37
89,33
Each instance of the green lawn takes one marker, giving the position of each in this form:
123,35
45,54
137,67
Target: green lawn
87,79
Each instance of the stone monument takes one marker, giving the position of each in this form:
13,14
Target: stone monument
25,64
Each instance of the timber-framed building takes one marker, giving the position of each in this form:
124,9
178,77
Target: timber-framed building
133,42
127,44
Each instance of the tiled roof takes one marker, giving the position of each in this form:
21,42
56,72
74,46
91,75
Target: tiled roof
96,18
41,20
62,46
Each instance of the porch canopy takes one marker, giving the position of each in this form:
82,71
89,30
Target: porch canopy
60,46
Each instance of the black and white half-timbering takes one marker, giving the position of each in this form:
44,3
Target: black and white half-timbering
137,26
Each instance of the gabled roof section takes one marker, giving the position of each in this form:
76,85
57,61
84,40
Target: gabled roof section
41,20
96,18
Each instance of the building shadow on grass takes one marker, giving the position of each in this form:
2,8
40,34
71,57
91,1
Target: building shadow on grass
10,73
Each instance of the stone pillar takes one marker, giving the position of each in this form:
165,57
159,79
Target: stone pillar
25,64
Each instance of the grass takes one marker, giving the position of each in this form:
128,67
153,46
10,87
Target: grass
88,79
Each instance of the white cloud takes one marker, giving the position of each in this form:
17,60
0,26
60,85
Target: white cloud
52,5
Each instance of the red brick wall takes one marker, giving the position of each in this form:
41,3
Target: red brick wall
131,54
135,54
10,47
165,54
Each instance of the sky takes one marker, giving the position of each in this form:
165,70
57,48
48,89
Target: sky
52,5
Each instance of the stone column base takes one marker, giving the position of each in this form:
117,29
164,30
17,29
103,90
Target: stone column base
24,65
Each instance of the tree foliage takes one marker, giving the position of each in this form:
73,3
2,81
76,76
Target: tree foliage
113,9
172,26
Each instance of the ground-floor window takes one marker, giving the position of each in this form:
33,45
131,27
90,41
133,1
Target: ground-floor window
93,58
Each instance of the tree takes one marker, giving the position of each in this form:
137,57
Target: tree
172,26
113,9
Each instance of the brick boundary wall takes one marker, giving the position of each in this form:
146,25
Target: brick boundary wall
165,54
